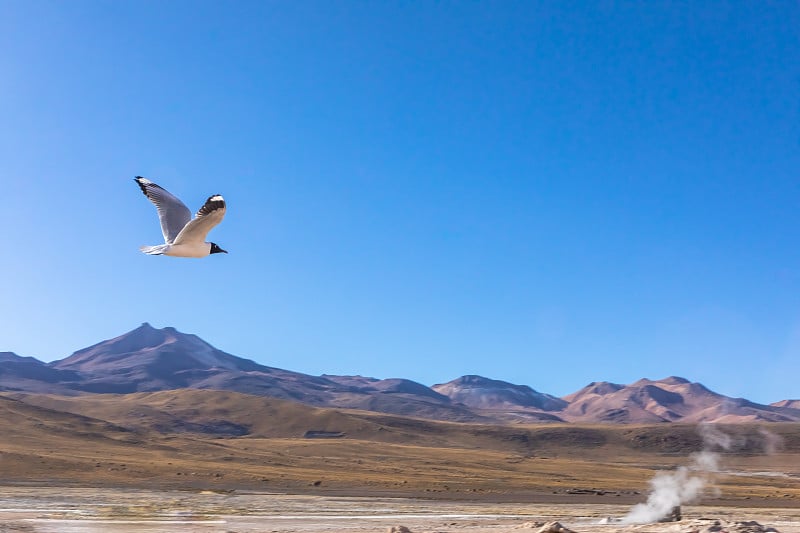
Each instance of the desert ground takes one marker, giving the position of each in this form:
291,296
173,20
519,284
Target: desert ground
211,461
83,510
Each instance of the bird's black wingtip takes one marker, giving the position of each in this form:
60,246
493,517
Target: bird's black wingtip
142,183
212,204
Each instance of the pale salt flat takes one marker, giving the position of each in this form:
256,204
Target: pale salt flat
82,510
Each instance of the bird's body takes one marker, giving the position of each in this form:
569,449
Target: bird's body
195,249
184,236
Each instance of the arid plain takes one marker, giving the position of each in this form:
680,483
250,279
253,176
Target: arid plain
152,455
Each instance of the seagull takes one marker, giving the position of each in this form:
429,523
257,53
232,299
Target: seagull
184,236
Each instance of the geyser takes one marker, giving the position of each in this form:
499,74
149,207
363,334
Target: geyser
670,490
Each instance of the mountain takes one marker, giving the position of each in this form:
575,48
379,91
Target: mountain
484,393
398,396
147,359
668,400
19,373
394,385
11,357
162,351
792,404
595,388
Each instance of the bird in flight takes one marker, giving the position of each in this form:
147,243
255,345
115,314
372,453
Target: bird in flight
184,236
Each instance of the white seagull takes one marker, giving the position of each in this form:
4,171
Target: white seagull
184,236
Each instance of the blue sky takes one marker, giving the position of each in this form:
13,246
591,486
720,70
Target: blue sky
549,193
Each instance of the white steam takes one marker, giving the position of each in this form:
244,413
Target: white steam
684,485
714,438
772,443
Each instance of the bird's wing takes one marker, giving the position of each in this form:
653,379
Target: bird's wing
172,213
206,218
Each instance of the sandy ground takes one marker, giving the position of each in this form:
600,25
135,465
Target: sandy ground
81,510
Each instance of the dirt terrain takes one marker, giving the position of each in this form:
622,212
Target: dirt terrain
204,453
81,510
227,441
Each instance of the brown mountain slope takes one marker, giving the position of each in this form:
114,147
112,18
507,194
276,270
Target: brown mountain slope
231,414
212,413
23,419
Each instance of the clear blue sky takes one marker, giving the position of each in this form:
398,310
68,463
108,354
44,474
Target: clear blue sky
548,193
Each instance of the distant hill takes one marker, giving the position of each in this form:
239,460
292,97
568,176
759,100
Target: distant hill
484,393
11,357
31,375
668,400
147,359
793,404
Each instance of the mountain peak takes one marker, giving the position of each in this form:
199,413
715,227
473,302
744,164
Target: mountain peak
474,379
147,352
597,387
674,380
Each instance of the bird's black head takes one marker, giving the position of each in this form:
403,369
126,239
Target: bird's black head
216,249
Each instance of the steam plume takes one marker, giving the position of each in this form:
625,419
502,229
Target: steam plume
772,443
684,485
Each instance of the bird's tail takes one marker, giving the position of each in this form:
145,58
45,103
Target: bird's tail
158,249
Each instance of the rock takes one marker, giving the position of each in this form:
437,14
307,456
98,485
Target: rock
749,527
398,529
717,526
553,527
531,525
673,516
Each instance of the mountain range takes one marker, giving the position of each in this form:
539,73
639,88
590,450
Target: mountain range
147,359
